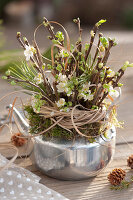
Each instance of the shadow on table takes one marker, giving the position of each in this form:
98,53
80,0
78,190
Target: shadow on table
92,189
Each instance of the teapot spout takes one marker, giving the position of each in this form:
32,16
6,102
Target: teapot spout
20,119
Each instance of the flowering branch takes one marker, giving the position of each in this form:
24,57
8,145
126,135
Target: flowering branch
74,85
30,83
77,76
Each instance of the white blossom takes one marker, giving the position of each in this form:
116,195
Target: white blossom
104,108
86,87
62,53
61,87
38,78
69,92
87,96
110,88
68,109
114,93
61,102
85,93
63,84
28,52
62,78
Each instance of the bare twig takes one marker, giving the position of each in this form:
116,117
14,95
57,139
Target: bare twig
91,42
49,28
107,52
97,50
55,89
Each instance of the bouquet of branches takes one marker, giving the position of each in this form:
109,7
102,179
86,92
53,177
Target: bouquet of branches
73,93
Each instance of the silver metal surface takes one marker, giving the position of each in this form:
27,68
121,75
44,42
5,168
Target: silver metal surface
71,160
20,119
74,160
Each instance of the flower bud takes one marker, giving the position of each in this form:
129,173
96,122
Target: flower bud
4,77
18,34
130,65
100,35
13,83
125,65
25,39
102,48
100,65
120,84
92,33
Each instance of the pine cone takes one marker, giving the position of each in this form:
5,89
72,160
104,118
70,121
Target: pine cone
130,161
18,142
116,176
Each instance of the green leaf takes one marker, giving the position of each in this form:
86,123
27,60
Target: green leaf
13,83
124,67
91,140
87,46
100,65
56,76
101,22
69,103
55,41
120,84
8,72
49,66
59,68
76,20
47,53
130,65
106,86
94,107
131,178
81,67
60,36
72,47
104,41
106,135
45,23
115,43
4,77
43,66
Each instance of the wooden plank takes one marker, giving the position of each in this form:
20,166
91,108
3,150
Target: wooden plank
92,189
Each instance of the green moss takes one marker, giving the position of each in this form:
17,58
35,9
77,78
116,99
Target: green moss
39,124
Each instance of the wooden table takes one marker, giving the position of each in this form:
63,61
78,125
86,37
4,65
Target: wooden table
97,188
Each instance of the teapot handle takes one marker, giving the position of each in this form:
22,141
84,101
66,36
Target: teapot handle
112,130
116,101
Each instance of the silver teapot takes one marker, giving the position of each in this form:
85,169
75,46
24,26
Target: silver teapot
70,160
